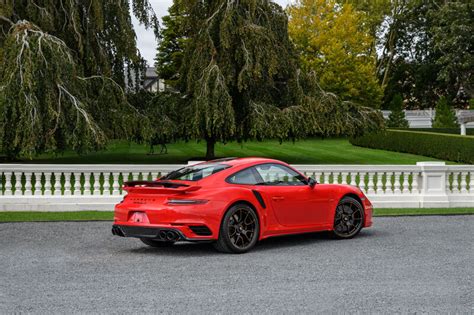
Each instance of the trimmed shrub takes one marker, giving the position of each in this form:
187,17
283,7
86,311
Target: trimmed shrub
453,131
445,115
437,145
397,118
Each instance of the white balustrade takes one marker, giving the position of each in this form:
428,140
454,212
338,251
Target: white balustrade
98,187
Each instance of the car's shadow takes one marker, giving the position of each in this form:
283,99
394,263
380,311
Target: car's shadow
270,244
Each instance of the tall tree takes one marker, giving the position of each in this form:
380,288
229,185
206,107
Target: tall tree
240,74
334,42
63,71
174,34
453,38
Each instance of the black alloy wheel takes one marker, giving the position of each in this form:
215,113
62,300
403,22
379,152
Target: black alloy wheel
349,218
239,230
154,243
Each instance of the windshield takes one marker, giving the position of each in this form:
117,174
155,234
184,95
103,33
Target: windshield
196,172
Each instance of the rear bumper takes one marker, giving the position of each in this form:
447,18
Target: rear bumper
162,233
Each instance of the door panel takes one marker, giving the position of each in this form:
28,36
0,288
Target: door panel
298,205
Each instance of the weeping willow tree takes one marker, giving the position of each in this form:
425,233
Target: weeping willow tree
241,74
63,72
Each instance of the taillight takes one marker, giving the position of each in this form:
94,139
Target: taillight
186,202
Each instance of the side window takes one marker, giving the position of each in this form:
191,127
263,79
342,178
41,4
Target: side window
245,177
276,174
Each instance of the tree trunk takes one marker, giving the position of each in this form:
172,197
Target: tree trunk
210,154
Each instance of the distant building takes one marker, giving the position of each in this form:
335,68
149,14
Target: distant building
151,81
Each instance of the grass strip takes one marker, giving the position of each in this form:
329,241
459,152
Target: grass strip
33,216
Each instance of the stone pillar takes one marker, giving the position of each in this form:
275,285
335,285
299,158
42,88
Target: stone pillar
433,185
463,129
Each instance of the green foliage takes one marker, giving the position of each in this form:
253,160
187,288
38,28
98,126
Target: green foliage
334,43
240,73
99,34
427,52
174,36
452,36
397,119
63,71
46,106
445,115
442,146
163,112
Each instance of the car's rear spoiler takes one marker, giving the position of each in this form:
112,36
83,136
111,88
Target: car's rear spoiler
158,187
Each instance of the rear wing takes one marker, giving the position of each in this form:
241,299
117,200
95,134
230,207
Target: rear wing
158,187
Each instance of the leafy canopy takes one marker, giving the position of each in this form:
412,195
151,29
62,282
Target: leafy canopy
334,43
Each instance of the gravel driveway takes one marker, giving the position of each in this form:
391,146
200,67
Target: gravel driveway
404,264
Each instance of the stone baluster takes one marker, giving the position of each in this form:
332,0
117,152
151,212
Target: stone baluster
115,184
370,184
47,184
463,183
396,186
107,185
379,183
28,186
8,183
67,183
352,179
87,183
406,183
96,188
344,178
56,185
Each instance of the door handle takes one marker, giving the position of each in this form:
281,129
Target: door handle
278,198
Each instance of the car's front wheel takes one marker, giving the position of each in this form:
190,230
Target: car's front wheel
239,230
348,219
154,243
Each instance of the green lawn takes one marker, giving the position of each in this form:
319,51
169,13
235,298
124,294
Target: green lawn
108,215
310,151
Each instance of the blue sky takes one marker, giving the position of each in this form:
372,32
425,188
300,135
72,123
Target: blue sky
146,40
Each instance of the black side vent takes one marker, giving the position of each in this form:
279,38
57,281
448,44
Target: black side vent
201,230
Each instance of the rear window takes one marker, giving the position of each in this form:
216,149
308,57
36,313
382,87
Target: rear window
196,172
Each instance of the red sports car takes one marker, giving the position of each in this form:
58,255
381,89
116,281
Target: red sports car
234,203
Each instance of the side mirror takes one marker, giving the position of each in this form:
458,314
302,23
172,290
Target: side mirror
311,182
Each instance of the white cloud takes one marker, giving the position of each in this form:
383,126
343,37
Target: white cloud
146,41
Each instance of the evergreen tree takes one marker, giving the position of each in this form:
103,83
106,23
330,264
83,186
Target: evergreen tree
397,119
63,72
445,115
174,36
240,74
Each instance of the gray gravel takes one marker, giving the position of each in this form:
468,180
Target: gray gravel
405,264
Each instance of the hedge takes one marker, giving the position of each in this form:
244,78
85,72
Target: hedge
454,131
437,145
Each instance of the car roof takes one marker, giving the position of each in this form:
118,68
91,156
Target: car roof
244,161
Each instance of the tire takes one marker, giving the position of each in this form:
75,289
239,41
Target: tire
239,230
348,218
153,243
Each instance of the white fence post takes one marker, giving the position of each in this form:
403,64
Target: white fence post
433,188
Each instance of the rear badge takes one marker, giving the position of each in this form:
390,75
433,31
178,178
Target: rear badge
138,217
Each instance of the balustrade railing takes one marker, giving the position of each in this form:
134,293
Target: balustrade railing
29,186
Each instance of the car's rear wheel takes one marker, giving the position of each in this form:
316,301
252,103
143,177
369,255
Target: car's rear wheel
154,243
239,230
348,219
